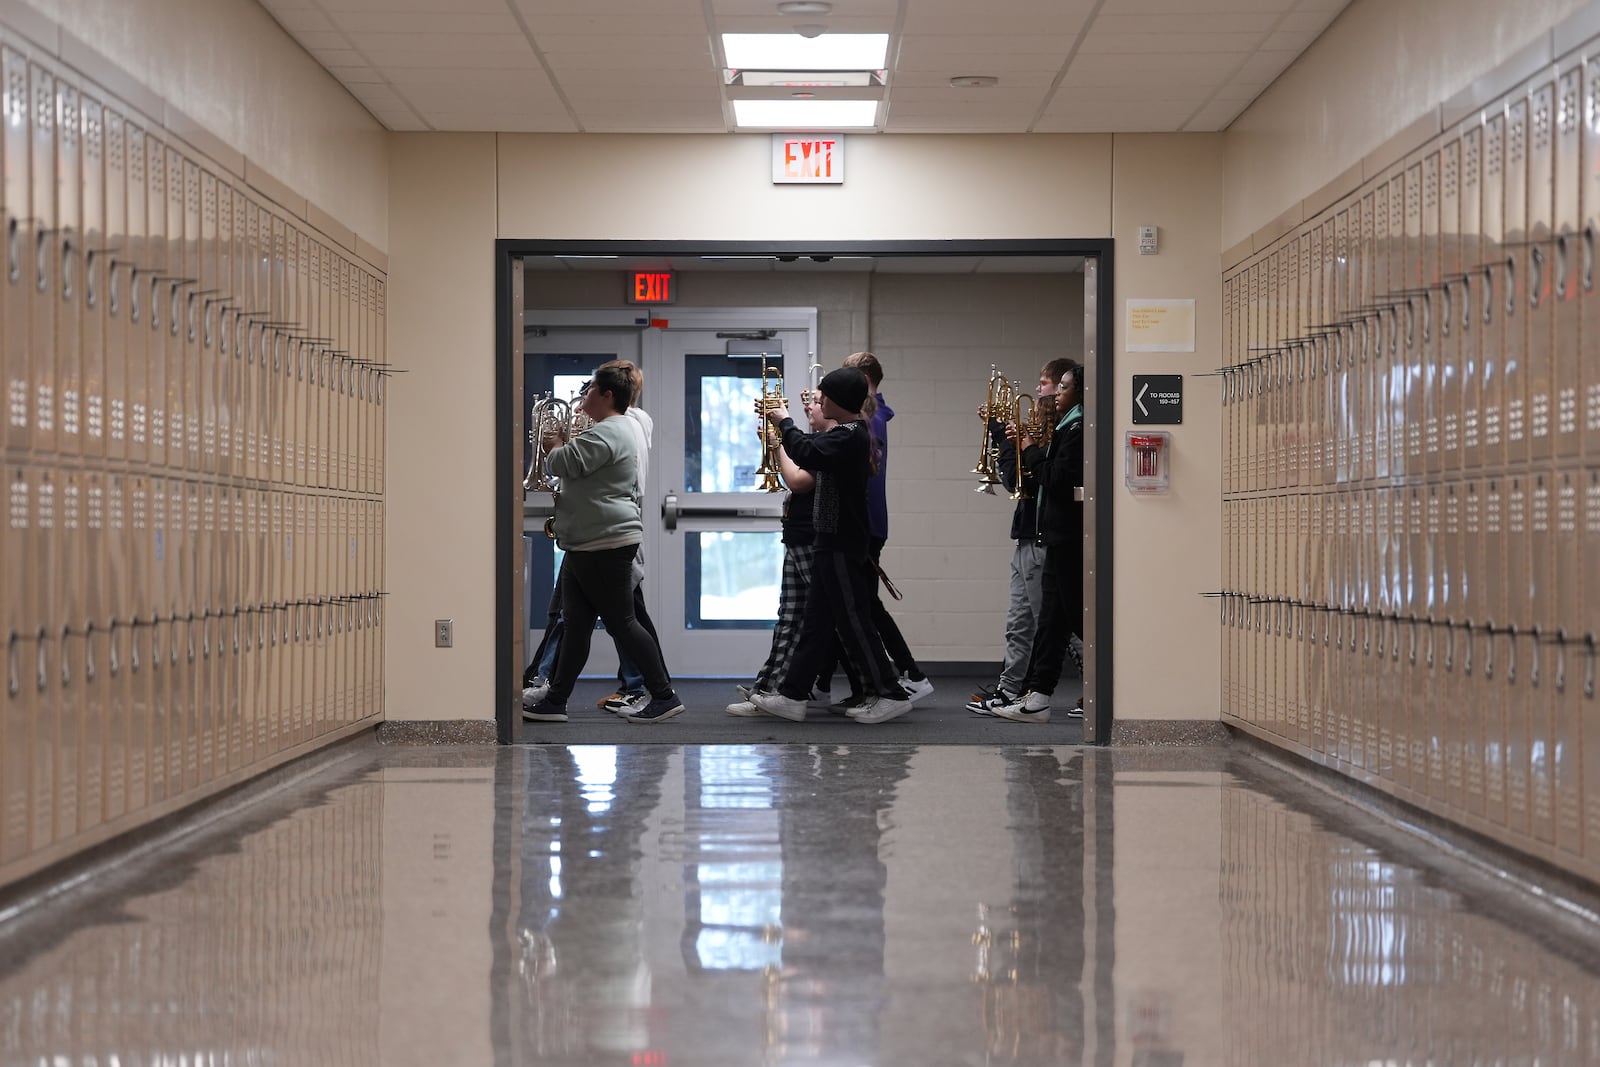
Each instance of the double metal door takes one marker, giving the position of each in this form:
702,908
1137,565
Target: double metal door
712,536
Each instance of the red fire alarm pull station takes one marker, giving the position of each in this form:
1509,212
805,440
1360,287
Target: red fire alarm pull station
1147,458
652,287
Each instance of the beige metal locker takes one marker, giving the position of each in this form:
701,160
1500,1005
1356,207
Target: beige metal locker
1580,665
134,310
115,618
153,289
1494,298
1544,266
1588,374
1568,255
202,329
89,267
44,564
1518,278
1447,333
16,174
138,683
114,273
1470,318
43,265
89,644
16,729
187,308
1429,299
1532,657
174,284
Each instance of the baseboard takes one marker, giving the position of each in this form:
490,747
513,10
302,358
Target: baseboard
437,732
1169,732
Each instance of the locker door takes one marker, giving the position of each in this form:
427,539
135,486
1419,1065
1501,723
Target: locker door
1543,269
1571,752
1413,324
1465,517
202,332
66,646
1493,299
1568,286
1469,320
1519,279
1508,643
174,286
1464,752
90,635
152,292
1383,284
66,284
45,563
16,289
207,699
114,275
1539,623
115,615
1482,540
1588,384
1447,336
18,745
139,631
43,261
1429,299
187,310
1581,661
134,268
223,331
162,690
91,262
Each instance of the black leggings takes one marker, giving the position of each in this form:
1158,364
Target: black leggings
1060,616
600,584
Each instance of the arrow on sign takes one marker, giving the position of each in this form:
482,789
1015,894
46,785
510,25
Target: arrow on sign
1139,399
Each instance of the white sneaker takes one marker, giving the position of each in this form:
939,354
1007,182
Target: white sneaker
535,693
744,709
779,705
1035,707
881,709
744,691
915,691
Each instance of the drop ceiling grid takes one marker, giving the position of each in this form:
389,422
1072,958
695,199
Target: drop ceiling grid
628,66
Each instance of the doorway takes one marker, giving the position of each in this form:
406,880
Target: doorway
708,532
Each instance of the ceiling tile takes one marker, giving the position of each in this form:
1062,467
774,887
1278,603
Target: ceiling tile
337,7
458,43
1195,7
611,26
632,46
430,22
1216,22
1195,69
989,22
301,20
1264,66
1290,40
1214,116
1125,43
920,79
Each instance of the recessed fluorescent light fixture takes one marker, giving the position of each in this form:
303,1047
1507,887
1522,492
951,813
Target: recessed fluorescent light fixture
790,51
806,114
799,79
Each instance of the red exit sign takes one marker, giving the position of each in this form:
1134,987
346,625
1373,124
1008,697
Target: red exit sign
808,158
652,287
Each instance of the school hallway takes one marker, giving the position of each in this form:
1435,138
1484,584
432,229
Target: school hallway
852,904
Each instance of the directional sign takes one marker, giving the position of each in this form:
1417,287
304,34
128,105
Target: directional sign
1158,399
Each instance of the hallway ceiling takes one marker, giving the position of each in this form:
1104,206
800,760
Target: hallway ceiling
655,66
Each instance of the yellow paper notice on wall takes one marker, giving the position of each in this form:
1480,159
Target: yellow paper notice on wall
1159,326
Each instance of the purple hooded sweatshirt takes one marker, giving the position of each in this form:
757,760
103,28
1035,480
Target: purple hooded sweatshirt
877,499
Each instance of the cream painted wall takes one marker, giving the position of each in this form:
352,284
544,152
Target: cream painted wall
227,66
1381,66
640,188
1168,547
645,188
439,552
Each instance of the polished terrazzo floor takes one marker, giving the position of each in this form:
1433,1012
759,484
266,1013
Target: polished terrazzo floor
853,905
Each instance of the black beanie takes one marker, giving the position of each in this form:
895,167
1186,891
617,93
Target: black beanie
846,387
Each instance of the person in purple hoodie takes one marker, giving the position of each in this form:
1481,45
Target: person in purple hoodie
915,682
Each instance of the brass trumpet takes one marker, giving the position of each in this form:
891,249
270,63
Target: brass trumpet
997,405
1037,423
771,398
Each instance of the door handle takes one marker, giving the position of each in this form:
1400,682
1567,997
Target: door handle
673,509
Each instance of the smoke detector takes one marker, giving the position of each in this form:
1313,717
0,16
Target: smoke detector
974,81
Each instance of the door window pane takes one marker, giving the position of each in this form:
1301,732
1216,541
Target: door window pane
721,445
732,579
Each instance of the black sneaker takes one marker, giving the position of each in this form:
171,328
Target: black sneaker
545,711
1076,711
658,710
979,700
848,706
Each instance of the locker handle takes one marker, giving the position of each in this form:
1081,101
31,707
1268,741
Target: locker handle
13,266
113,297
90,296
1432,633
1412,653
1535,276
42,673
1588,258
1488,295
1588,669
1511,657
1449,310
1563,253
1411,322
1511,286
42,281
1488,654
1450,647
13,679
88,652
1427,318
66,268
111,634
1533,668
1466,664
133,644
1466,303
205,635
66,660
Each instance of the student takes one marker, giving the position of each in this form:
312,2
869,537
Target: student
599,523
1057,471
1027,555
798,554
843,576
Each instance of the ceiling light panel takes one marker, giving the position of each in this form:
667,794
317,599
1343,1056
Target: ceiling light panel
805,114
788,51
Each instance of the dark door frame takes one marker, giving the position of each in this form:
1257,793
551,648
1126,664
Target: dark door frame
508,453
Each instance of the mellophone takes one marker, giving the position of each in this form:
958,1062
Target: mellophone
550,417
1004,403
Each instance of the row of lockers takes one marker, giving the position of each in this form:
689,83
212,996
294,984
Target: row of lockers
1441,319
158,314
162,632
1334,953
1517,551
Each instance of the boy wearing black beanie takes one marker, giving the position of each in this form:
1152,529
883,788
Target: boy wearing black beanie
843,576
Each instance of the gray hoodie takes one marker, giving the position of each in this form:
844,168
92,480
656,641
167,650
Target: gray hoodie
599,503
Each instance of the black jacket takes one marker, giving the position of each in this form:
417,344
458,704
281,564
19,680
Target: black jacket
1057,472
1024,523
841,458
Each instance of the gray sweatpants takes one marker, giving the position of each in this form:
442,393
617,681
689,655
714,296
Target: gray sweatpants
1022,613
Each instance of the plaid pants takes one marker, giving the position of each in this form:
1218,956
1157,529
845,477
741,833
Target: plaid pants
791,608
